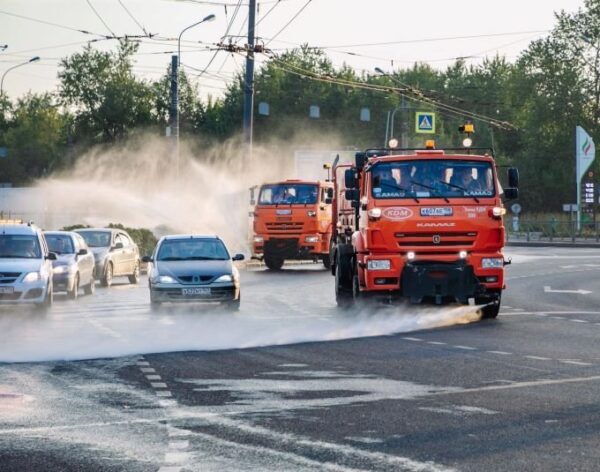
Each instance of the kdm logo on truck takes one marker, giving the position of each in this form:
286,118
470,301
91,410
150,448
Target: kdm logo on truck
397,213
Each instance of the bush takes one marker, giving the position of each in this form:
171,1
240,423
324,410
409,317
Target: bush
143,237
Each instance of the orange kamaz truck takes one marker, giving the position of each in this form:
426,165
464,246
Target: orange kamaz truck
292,219
421,225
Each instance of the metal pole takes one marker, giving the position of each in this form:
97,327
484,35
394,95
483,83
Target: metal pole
387,129
404,126
174,110
249,82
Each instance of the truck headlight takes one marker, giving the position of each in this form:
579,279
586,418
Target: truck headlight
258,239
410,255
497,212
492,263
312,239
463,254
374,213
225,278
381,264
32,277
312,213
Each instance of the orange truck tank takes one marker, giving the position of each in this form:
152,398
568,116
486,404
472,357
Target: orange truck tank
421,226
292,219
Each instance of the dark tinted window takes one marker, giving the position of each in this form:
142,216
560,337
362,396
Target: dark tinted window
60,243
192,249
19,246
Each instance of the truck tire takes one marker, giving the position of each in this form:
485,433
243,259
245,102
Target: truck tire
492,307
343,276
273,262
326,261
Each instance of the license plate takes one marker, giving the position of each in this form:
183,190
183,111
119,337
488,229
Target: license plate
442,211
7,290
188,292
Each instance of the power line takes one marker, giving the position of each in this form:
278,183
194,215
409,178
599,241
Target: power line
289,22
268,12
23,17
133,17
99,17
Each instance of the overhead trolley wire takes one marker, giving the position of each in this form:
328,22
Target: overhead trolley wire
89,2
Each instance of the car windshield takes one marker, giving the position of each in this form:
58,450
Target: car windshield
19,246
433,179
97,238
192,250
290,194
60,243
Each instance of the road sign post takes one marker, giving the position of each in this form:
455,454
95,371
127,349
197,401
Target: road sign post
585,153
425,122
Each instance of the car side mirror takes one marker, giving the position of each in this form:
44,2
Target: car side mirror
238,257
82,252
51,256
513,177
147,259
118,246
511,193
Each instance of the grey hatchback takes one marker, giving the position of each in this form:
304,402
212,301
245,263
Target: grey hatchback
194,268
115,253
74,264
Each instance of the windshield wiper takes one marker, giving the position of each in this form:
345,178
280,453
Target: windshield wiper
460,188
201,258
396,186
431,188
14,256
167,259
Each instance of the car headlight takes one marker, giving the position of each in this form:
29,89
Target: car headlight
382,264
225,278
165,279
32,277
312,239
492,263
62,269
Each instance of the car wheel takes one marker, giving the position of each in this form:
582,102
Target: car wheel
91,287
107,278
74,293
135,277
48,301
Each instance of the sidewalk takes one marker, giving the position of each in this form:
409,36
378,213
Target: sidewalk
536,240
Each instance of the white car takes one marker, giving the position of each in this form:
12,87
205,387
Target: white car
25,265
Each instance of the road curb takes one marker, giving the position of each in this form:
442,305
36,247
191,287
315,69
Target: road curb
588,245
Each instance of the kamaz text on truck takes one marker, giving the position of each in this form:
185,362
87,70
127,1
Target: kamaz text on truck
293,220
421,225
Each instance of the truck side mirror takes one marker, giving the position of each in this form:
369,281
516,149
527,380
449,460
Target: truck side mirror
329,193
513,177
352,195
511,193
350,178
360,159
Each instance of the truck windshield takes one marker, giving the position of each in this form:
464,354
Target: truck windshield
192,249
433,179
16,246
290,194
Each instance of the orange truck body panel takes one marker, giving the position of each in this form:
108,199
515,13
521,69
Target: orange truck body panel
414,233
295,230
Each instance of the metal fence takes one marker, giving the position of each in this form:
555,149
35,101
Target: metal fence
552,230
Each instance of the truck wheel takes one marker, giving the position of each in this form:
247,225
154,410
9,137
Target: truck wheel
274,262
326,261
491,310
343,278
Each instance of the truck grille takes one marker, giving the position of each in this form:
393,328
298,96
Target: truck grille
285,227
436,239
9,277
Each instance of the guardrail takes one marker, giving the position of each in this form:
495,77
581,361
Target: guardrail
552,230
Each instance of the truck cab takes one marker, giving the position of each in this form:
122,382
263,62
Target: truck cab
292,219
423,226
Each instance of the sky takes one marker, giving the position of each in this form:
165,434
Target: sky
432,31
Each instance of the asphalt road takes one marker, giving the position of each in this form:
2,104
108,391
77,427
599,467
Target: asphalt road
291,383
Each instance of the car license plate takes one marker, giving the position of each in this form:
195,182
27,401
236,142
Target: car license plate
7,290
190,292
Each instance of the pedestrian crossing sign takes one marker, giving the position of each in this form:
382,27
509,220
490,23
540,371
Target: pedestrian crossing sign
425,122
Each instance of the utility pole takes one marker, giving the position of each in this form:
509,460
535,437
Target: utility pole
249,82
174,110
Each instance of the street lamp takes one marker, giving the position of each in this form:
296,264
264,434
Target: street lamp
175,87
33,59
